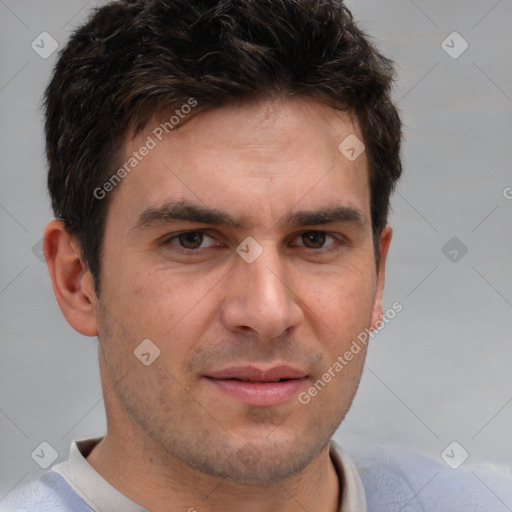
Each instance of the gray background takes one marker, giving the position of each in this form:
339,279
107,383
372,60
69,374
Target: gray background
439,372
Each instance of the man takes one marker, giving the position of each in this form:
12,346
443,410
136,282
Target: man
220,174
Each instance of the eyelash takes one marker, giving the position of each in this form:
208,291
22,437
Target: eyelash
338,240
169,241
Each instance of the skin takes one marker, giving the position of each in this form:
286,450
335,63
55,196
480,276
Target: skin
173,437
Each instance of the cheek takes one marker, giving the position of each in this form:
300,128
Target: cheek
340,303
171,310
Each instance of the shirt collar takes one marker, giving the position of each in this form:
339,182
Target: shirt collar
89,484
102,497
352,497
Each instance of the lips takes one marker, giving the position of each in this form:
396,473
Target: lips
258,387
253,374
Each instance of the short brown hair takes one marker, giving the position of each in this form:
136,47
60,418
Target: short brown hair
133,58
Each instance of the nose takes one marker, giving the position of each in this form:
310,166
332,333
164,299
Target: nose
260,298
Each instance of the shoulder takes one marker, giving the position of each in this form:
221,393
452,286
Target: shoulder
49,493
399,479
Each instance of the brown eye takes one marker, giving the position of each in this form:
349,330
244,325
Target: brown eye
314,239
190,240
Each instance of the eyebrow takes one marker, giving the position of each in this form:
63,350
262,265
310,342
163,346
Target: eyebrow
172,212
345,214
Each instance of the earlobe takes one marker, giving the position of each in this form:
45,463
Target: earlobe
71,280
385,241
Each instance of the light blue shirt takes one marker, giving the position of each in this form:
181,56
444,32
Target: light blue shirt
394,480
71,486
75,486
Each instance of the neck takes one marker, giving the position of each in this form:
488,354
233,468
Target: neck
142,475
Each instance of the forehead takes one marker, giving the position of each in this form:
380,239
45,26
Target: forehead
260,159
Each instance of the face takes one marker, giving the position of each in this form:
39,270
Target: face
232,315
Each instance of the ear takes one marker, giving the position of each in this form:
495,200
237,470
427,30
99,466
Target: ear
71,280
385,241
